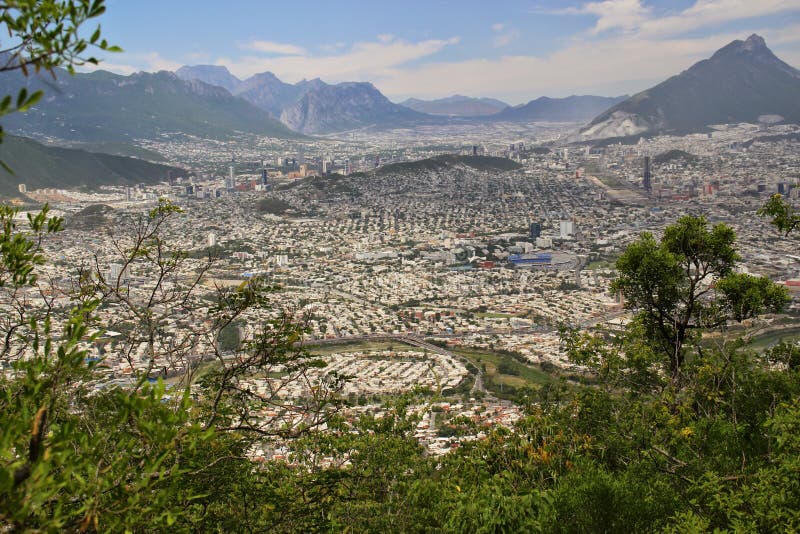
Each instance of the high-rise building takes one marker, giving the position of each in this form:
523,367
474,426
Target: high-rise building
536,230
647,179
23,188
212,239
566,228
117,273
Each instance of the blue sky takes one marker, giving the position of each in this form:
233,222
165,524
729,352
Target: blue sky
510,49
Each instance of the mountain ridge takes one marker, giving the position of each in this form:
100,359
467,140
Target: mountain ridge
573,108
741,82
457,106
103,106
346,106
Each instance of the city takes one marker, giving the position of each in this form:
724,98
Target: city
249,291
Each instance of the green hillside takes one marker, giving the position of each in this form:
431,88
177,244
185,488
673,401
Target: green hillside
39,166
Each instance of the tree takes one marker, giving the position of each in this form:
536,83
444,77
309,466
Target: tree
80,453
784,217
686,283
44,35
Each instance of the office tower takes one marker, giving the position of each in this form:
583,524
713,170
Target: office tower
536,230
647,181
566,228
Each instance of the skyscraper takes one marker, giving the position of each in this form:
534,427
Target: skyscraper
647,179
536,230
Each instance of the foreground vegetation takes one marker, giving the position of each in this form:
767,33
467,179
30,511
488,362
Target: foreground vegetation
671,437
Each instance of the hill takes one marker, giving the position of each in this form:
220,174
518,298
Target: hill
456,106
101,106
444,177
40,166
675,155
742,82
437,163
570,109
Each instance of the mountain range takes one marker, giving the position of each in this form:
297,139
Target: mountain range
102,106
315,107
742,82
311,106
570,109
456,106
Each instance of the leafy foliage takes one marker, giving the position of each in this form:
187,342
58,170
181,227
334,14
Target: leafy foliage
686,282
783,214
44,35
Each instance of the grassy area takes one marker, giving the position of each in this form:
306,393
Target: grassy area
770,339
600,264
516,374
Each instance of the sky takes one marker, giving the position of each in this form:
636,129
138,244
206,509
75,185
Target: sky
515,50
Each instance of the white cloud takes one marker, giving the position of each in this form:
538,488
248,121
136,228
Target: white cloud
622,64
611,14
505,38
627,49
635,17
708,13
269,47
362,61
128,63
332,47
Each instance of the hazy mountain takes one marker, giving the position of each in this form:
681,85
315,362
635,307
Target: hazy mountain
101,106
741,82
39,166
570,109
346,106
313,106
210,74
456,106
266,91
